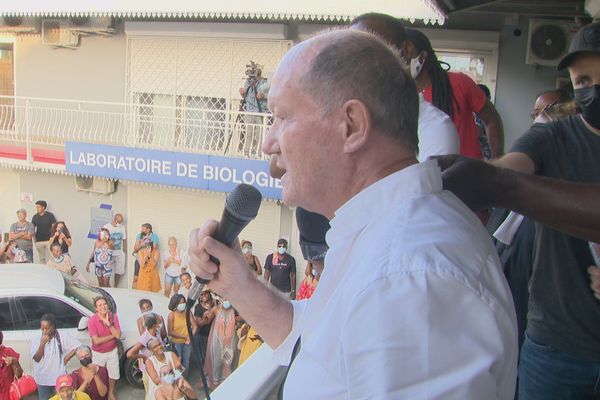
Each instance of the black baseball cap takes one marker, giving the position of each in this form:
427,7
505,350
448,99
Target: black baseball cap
313,227
586,40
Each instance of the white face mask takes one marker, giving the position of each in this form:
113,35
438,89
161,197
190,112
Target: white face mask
315,272
246,250
416,65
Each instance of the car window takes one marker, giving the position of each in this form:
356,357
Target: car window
6,323
31,308
85,294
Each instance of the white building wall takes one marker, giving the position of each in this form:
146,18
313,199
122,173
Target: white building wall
10,188
93,71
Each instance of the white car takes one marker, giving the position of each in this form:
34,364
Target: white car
28,291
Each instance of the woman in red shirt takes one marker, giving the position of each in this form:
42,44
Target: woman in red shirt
457,95
9,368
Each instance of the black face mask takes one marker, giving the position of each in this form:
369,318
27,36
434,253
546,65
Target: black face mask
588,102
86,361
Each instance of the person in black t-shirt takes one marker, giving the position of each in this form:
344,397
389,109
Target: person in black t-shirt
280,270
42,221
560,357
204,314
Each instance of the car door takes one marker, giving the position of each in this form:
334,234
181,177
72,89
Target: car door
13,338
68,316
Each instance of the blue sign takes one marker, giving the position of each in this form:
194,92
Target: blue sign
198,171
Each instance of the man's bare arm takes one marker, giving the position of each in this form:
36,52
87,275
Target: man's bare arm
566,206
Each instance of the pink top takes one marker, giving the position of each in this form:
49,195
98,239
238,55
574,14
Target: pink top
97,328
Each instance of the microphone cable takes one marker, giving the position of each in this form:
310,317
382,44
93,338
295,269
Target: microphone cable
196,350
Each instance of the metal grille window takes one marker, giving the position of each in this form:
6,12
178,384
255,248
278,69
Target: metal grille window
185,92
204,123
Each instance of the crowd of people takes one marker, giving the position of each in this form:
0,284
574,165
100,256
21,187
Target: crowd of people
225,340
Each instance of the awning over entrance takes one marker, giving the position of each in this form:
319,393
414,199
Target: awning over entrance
307,10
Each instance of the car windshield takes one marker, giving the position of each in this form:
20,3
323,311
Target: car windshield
83,293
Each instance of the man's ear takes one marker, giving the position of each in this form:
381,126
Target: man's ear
357,125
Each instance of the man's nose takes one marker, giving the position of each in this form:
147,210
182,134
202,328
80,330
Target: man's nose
270,145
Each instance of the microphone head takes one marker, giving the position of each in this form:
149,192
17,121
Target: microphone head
244,201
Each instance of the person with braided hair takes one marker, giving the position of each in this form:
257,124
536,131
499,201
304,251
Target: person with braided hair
457,95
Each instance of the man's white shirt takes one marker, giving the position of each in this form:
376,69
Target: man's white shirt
437,133
412,303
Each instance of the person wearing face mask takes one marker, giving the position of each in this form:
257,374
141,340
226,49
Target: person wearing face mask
222,350
142,241
102,258
173,386
457,95
12,254
140,349
177,329
60,234
147,308
51,350
563,320
148,278
436,131
65,390
204,314
280,270
63,263
251,259
90,378
118,235
158,359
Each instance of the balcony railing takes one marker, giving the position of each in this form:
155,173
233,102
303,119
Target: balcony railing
28,121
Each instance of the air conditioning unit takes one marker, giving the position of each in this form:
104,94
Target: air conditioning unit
549,41
57,33
18,25
94,185
86,25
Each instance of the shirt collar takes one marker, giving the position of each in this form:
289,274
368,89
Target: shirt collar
418,179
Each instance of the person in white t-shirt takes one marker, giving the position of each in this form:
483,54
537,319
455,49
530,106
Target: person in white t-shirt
436,132
118,235
186,284
174,262
51,350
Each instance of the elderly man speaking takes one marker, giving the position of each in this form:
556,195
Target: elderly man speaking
412,303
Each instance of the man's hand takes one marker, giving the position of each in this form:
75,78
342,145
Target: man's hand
45,339
594,272
470,180
232,275
9,360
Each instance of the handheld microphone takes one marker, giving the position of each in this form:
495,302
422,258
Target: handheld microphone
241,207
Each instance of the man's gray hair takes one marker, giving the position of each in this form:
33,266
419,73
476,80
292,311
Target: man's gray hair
82,348
22,211
360,66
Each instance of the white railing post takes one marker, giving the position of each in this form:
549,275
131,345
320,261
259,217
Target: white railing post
27,133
